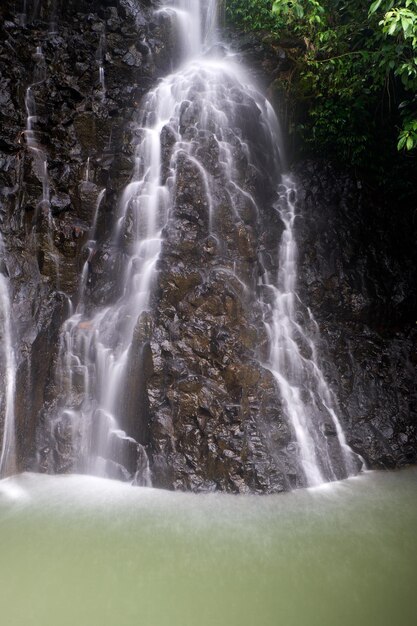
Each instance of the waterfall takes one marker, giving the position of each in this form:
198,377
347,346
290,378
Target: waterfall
8,373
192,113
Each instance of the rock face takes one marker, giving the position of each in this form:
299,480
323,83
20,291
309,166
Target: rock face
214,417
199,401
358,274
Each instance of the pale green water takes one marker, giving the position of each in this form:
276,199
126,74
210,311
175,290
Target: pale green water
80,551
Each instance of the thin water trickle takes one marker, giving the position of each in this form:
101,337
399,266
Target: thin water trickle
100,61
34,146
23,16
90,247
39,157
8,373
87,171
102,80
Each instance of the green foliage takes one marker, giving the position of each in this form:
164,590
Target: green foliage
300,12
337,75
251,14
399,26
408,135
355,71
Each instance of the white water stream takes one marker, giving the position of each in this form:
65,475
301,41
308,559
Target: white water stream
40,160
308,402
100,62
7,373
35,148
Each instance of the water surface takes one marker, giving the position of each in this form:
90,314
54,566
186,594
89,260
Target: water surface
84,551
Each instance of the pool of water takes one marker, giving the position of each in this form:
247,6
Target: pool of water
83,551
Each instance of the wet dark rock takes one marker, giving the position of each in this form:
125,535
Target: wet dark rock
358,275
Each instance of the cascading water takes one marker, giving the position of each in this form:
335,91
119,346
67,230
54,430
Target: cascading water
97,349
307,399
40,159
195,24
197,106
7,374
